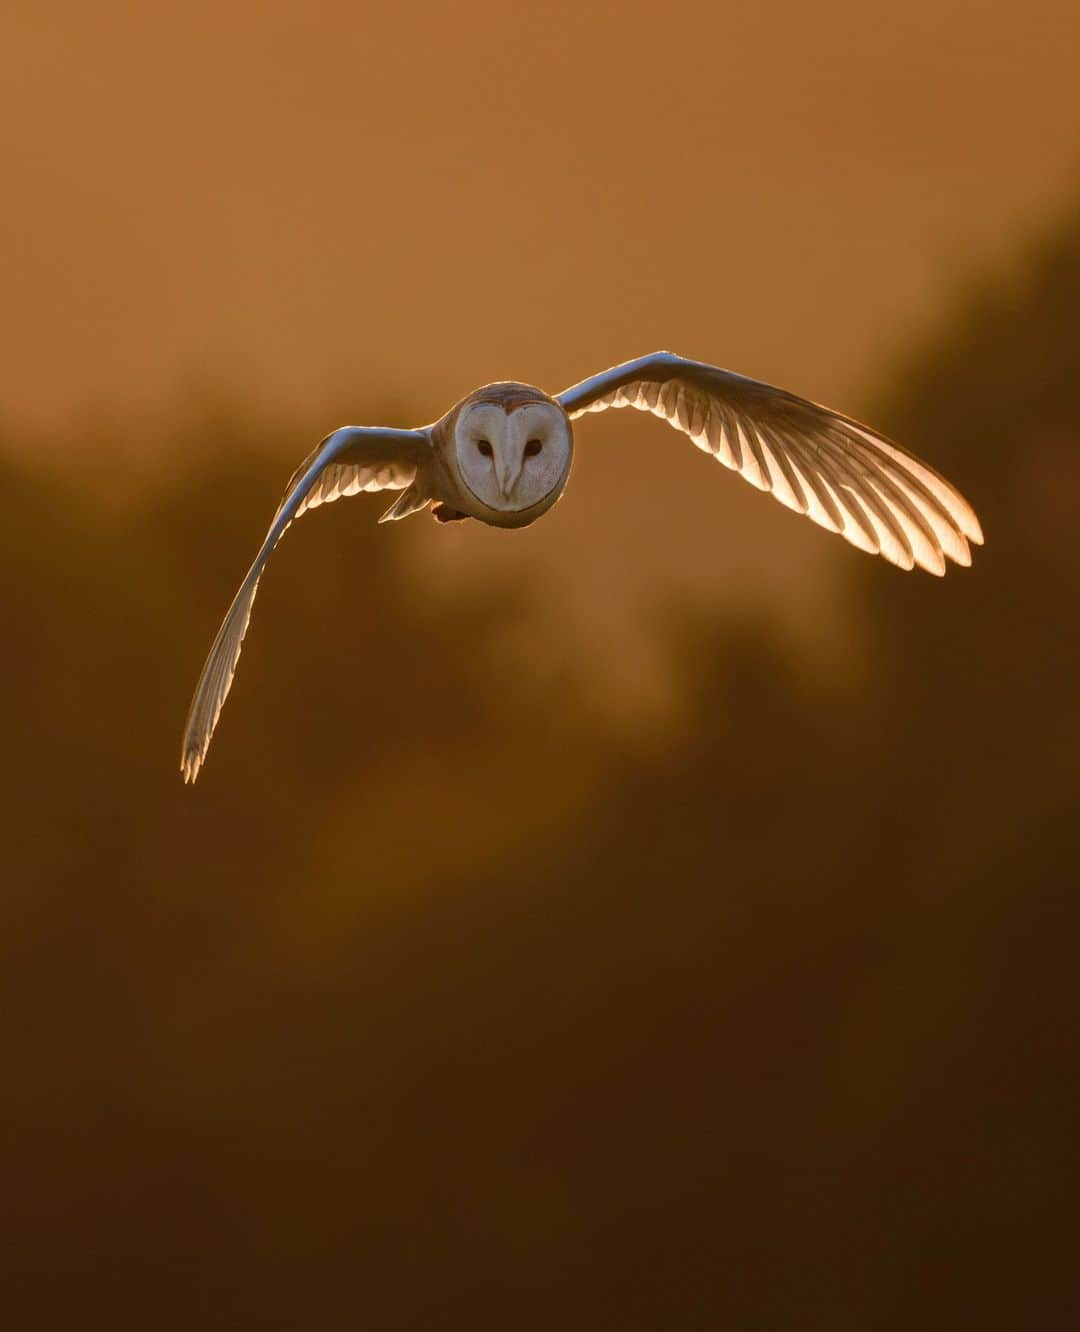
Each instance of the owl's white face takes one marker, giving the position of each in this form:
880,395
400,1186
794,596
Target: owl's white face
512,461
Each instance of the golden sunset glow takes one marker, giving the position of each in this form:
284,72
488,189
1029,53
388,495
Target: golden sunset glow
658,916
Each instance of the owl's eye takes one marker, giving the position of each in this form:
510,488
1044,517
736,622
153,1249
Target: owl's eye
533,447
483,446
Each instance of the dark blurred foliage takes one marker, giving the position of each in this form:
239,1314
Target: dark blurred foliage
439,1003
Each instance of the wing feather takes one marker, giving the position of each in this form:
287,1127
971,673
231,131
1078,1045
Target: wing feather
352,459
842,475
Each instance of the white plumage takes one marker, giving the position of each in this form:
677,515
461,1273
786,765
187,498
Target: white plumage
502,455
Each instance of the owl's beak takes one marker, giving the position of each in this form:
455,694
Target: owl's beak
508,472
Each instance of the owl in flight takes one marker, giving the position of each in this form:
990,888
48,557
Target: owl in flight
502,455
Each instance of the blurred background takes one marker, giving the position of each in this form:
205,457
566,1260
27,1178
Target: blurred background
664,917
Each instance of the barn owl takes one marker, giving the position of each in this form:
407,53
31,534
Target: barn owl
502,455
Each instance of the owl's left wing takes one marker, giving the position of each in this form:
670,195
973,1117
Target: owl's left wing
842,475
352,459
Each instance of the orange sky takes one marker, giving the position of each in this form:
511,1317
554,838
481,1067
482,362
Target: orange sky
312,205
333,200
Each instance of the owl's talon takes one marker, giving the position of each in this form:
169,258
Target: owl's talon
442,513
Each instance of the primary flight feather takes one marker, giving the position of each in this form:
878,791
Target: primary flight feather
502,455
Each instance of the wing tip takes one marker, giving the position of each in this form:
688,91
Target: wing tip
190,763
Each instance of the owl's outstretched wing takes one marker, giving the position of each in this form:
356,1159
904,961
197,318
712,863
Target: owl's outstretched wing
352,459
843,475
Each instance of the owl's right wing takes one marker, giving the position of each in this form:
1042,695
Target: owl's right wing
350,460
844,476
